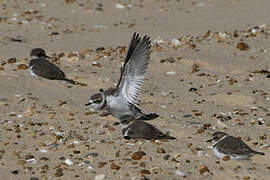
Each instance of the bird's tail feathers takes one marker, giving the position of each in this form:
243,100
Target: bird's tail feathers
70,81
146,117
167,136
257,152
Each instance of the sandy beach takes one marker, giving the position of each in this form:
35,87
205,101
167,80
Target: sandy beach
208,72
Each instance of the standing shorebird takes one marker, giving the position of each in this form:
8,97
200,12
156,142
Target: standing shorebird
123,100
226,145
41,67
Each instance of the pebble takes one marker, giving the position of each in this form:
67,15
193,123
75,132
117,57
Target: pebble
175,42
68,162
179,173
22,66
19,116
15,172
145,171
158,41
203,169
130,144
59,172
163,106
138,155
90,167
92,154
223,35
177,155
226,158
242,46
115,166
255,29
119,6
171,73
164,93
34,178
166,157
43,151
161,150
29,156
100,177
33,160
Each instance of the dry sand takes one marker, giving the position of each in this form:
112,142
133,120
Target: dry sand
47,133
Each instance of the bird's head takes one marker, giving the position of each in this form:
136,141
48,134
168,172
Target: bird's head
38,53
216,136
97,100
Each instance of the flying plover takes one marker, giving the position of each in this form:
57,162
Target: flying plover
41,67
123,100
135,129
226,145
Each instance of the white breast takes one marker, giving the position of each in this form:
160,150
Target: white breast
31,72
118,107
218,154
124,126
232,156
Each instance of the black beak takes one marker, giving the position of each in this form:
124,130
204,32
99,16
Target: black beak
101,90
210,140
88,104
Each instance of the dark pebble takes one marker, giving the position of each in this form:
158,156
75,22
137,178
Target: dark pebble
92,154
34,178
187,115
55,33
15,172
100,49
166,157
62,158
193,89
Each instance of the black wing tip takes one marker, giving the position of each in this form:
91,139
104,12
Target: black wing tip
136,35
166,136
148,116
171,137
261,153
138,41
70,81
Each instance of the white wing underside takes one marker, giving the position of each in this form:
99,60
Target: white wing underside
134,72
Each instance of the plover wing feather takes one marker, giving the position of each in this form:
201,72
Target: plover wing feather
233,146
45,69
144,130
134,70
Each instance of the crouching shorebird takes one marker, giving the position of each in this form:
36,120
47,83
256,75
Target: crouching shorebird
123,100
226,145
136,129
41,67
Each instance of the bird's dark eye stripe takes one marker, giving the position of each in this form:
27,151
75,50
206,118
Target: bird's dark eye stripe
96,96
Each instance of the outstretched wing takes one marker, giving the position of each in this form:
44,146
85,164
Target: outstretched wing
132,46
134,69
